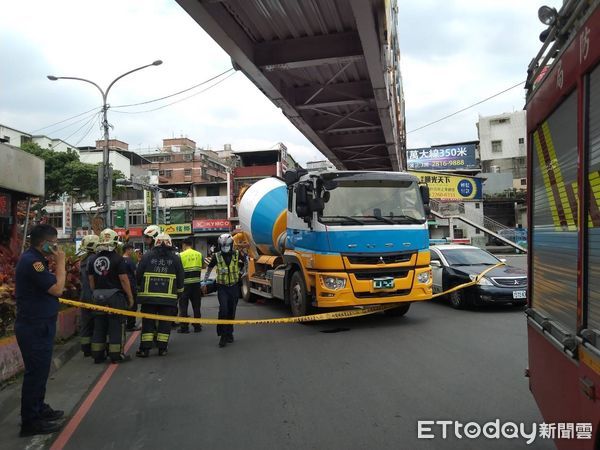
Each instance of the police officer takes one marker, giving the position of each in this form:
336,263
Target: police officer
230,265
107,271
86,328
37,290
160,278
192,266
131,266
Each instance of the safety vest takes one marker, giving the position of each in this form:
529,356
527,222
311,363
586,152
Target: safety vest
192,265
162,278
228,276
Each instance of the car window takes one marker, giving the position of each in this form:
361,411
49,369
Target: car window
469,256
435,256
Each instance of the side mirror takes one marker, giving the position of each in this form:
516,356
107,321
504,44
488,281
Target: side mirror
424,193
302,207
316,205
436,263
427,209
290,177
330,185
326,196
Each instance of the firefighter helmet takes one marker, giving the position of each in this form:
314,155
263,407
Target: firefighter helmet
108,240
163,239
89,243
225,243
152,231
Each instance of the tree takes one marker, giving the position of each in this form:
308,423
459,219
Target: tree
66,174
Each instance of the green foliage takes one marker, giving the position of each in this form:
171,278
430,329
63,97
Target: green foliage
66,174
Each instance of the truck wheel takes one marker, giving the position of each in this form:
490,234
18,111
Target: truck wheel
299,301
399,311
247,296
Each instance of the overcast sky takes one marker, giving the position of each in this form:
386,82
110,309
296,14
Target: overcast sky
454,53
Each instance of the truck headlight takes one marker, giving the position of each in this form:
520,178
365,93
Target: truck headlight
333,283
482,282
423,277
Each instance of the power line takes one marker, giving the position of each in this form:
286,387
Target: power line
87,132
180,100
94,117
176,93
72,117
468,107
75,123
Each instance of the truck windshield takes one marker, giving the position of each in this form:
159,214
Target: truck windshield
374,202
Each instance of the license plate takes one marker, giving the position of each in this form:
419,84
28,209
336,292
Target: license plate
519,294
383,283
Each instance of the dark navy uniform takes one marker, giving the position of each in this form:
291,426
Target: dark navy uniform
35,328
86,327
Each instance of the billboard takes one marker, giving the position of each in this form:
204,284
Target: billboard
451,157
201,225
148,206
451,187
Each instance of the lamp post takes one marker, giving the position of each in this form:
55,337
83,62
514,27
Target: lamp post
106,197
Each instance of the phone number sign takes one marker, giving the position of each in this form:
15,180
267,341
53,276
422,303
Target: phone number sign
456,157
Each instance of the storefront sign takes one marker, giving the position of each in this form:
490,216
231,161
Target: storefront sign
451,187
133,232
67,218
178,228
455,157
5,210
80,233
148,206
201,225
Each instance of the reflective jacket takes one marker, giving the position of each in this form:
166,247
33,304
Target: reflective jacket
192,265
160,277
228,275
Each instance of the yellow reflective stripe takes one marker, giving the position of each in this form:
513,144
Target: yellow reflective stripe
546,177
180,290
85,340
160,275
147,337
192,280
112,348
162,337
157,294
193,268
98,347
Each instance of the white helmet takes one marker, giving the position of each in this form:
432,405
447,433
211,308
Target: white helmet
163,239
108,240
88,244
225,243
152,231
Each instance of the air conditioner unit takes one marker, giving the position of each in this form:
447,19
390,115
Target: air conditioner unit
495,169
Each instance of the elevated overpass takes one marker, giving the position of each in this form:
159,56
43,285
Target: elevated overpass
331,66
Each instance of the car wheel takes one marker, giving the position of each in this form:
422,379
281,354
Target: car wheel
299,301
247,296
458,300
398,311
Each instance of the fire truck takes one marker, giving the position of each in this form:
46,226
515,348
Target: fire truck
563,315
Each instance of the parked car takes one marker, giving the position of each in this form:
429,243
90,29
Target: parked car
457,264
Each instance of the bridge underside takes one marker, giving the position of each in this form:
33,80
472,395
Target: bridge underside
322,63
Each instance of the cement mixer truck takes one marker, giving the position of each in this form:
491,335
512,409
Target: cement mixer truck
337,239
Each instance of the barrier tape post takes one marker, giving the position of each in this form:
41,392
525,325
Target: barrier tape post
312,318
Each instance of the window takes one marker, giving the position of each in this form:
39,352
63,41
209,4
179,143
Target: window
168,173
187,156
212,191
137,218
477,205
55,219
6,139
187,172
496,146
523,181
161,173
521,140
499,121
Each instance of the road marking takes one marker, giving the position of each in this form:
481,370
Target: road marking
67,432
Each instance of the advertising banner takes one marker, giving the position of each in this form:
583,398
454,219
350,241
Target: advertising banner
148,206
201,225
455,157
177,228
451,187
5,205
67,218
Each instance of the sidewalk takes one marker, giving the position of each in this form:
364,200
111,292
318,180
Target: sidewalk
65,389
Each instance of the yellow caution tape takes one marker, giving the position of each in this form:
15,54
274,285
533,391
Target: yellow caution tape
312,318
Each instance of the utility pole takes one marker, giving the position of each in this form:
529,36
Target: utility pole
105,181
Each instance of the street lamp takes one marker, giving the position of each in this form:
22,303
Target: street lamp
106,199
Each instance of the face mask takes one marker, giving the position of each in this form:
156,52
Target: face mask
48,247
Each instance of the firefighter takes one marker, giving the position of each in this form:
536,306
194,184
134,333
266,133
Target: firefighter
150,234
107,274
230,266
87,250
192,266
160,278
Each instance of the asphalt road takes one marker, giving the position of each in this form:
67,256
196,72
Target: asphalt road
349,384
